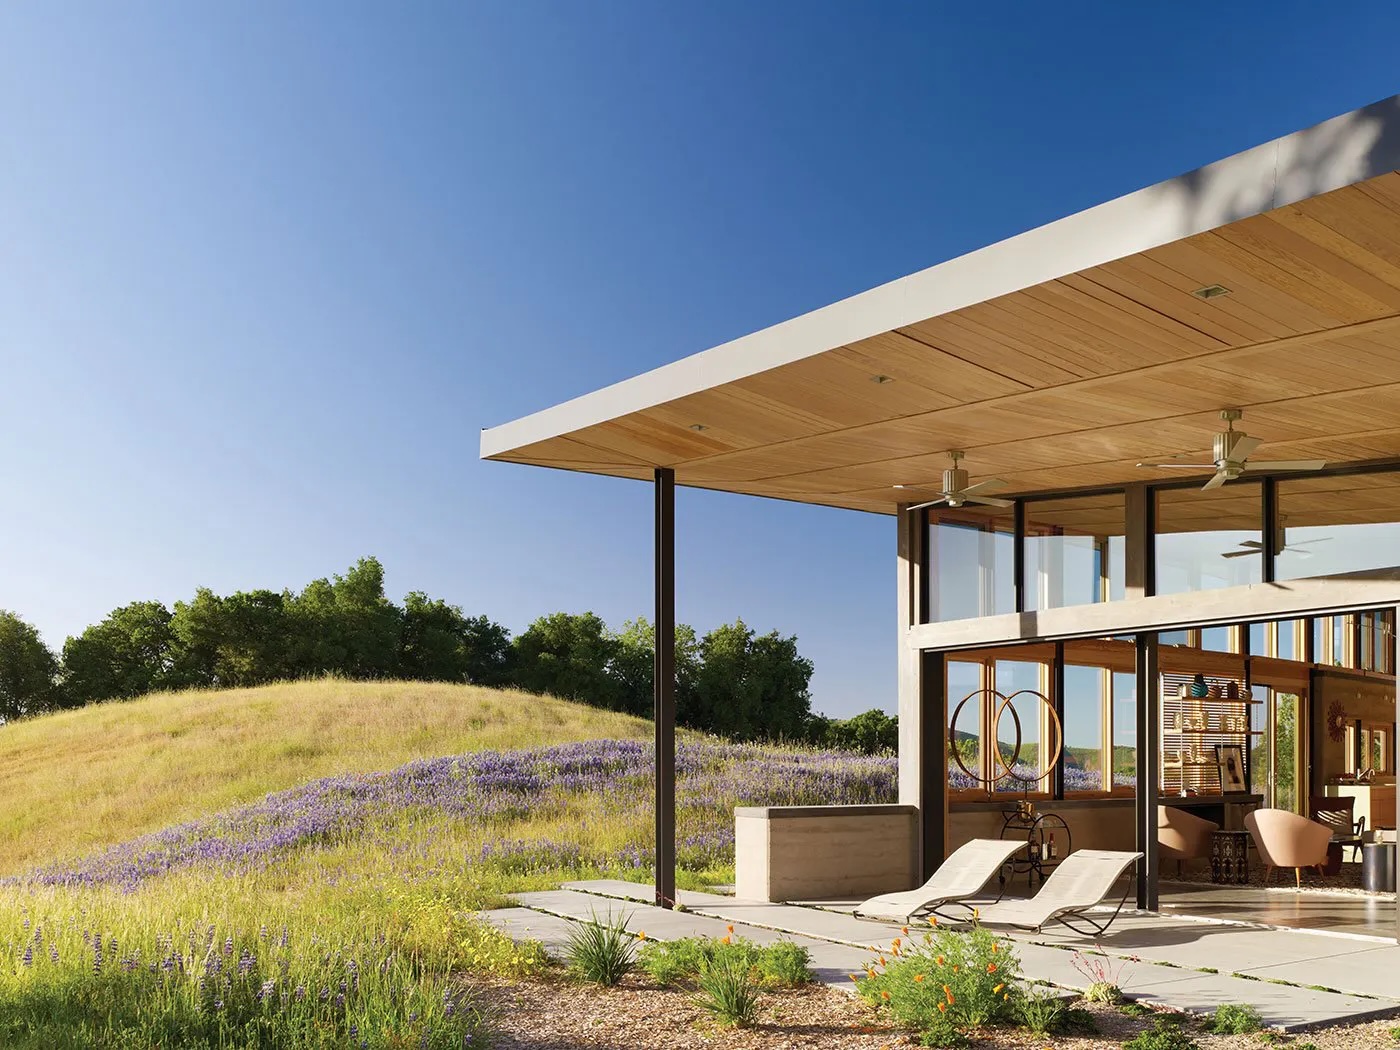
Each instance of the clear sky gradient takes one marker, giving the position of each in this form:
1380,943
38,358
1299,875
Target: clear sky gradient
269,268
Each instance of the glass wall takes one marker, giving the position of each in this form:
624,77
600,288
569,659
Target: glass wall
1209,538
1086,690
1124,730
1337,523
964,679
972,562
1036,743
1074,551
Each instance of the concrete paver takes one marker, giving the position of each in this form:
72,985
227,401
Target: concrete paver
1167,952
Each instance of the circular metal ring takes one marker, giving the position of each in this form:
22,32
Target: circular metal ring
1002,767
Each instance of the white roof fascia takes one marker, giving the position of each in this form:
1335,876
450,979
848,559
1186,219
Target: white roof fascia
1347,149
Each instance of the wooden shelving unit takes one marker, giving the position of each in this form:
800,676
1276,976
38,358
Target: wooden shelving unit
1193,726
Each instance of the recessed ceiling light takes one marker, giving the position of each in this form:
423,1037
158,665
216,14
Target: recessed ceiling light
1211,291
698,426
882,379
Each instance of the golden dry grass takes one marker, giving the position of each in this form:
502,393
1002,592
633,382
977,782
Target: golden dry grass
78,780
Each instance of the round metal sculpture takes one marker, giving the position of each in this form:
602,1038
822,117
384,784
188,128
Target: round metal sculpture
1004,768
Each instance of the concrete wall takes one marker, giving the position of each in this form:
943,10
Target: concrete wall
784,853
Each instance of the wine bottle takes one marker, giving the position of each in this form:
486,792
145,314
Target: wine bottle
1050,852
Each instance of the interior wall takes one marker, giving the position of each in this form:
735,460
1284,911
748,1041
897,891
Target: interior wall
1362,698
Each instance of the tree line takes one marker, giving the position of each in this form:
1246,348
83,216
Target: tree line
731,681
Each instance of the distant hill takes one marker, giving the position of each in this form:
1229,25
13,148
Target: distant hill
102,774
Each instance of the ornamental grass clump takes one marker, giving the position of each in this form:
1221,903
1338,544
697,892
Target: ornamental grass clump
602,952
1105,978
1235,1019
727,990
946,984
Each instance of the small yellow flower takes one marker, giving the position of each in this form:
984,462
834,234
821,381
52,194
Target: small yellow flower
933,920
904,930
939,960
991,967
994,948
870,972
856,977
956,969
949,993
918,978
724,939
943,1008
730,928
885,996
882,961
641,935
997,989
976,913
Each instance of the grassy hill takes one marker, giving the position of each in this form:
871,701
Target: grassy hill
79,780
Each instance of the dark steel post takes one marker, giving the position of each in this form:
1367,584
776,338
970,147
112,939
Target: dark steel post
664,686
933,743
1057,704
1018,556
1149,769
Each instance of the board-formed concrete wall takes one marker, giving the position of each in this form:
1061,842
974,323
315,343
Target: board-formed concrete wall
789,853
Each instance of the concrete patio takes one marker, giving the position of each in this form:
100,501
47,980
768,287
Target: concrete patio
1294,978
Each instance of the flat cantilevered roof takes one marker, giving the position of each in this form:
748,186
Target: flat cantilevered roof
1058,358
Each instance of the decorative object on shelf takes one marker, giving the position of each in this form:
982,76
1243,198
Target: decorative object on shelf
1336,720
1004,768
1232,690
1214,692
1199,689
1025,809
1229,758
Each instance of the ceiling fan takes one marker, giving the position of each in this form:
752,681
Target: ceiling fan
956,491
1281,544
1232,449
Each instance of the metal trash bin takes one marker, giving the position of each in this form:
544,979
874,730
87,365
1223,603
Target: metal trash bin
1378,867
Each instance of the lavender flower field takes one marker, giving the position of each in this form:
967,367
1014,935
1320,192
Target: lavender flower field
566,808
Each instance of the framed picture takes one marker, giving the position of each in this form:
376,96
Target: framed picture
1229,759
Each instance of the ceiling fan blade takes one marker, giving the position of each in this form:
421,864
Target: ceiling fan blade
990,485
1252,543
930,503
1214,483
1290,464
1304,543
1242,554
1244,448
1179,466
990,501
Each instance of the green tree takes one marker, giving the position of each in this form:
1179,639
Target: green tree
28,670
872,732
633,660
240,640
127,654
440,644
748,686
570,656
345,625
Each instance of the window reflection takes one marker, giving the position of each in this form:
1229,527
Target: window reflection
1074,551
1084,704
971,562
1337,523
1210,538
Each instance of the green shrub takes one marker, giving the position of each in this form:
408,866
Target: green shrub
727,990
486,950
1041,1011
603,953
946,985
1394,1033
1103,992
1235,1019
1134,1009
780,965
1165,1034
784,965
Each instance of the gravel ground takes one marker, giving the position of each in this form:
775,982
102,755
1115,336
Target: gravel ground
555,1014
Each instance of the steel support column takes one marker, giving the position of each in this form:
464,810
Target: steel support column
933,742
1149,768
664,686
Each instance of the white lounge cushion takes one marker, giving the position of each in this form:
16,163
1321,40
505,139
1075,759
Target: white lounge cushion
963,875
1082,880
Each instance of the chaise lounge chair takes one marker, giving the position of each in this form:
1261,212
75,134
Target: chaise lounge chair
1081,881
958,879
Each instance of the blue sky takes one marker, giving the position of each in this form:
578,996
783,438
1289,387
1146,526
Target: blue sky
268,269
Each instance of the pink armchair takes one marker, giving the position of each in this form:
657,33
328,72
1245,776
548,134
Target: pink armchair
1286,840
1182,836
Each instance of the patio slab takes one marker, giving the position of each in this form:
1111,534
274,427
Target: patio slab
525,924
1159,942
832,964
